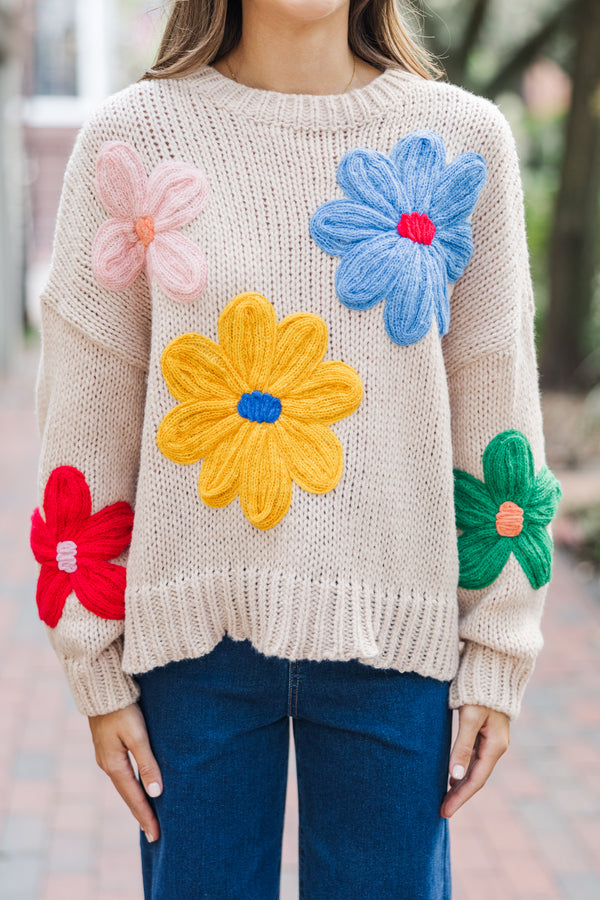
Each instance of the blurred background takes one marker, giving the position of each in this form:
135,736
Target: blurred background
534,831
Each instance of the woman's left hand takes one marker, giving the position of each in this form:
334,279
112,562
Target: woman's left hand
483,736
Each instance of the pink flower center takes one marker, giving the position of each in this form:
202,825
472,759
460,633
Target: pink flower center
417,227
66,552
509,519
145,229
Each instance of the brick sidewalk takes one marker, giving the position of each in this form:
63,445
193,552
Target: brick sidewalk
533,832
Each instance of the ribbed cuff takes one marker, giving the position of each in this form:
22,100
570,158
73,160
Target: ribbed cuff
486,677
101,686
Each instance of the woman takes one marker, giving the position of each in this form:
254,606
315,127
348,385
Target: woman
290,319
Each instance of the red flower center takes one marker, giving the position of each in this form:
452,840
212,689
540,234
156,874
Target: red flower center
66,551
145,229
509,519
417,227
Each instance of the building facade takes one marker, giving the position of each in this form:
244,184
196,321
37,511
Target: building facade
12,189
69,67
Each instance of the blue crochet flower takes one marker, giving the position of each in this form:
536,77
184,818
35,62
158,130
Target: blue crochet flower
402,231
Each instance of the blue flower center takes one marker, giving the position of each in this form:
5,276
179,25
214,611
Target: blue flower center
259,407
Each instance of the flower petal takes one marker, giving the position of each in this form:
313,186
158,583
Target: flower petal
53,588
419,159
458,189
364,275
474,507
332,392
107,533
508,468
369,177
456,242
482,554
533,550
190,430
177,192
43,544
419,289
218,483
100,587
544,498
195,368
247,334
265,483
178,266
338,224
67,503
301,342
118,255
121,180
312,452
438,277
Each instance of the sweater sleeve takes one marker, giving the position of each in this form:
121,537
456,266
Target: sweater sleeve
505,496
90,397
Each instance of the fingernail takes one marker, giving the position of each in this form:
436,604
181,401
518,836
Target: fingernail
149,837
458,772
154,789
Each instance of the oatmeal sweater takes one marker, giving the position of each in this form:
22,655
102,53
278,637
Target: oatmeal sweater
288,388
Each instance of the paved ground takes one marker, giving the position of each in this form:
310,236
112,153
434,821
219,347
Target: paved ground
533,832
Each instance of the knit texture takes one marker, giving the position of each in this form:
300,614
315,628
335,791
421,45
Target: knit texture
75,549
333,420
147,214
262,372
494,526
416,196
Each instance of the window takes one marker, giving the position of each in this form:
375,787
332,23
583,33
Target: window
55,52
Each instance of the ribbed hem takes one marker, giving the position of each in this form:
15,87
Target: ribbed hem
489,678
283,616
306,111
101,686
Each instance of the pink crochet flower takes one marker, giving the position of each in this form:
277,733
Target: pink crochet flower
147,212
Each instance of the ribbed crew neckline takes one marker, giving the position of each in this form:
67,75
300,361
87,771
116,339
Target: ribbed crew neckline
319,111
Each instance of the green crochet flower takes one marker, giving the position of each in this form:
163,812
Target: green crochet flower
506,513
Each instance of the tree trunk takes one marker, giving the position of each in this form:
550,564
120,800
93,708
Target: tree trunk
575,229
457,61
511,72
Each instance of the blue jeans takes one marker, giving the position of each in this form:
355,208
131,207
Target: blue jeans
372,750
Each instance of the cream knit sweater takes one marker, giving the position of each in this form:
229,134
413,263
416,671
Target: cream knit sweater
292,481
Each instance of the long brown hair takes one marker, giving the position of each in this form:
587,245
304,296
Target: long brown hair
198,32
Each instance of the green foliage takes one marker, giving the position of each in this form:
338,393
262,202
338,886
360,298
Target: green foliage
587,546
541,171
540,145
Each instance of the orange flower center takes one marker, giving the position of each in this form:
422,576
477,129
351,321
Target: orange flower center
145,229
509,519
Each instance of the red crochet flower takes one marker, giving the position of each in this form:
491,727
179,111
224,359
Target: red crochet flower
74,548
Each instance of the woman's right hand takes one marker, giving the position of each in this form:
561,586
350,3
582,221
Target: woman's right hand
114,734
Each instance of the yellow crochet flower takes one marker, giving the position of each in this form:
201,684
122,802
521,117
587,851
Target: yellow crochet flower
256,408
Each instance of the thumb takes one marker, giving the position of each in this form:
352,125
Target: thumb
470,720
149,773
138,745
